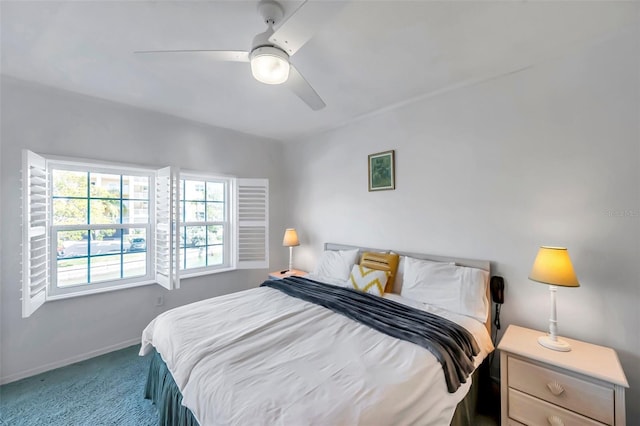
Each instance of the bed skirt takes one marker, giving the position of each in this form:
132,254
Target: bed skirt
162,390
465,413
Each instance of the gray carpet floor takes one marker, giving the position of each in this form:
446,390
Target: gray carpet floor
106,390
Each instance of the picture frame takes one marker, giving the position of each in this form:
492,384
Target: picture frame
382,174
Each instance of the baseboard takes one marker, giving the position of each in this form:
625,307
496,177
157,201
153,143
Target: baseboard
63,363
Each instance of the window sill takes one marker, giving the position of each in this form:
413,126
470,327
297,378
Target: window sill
201,272
88,292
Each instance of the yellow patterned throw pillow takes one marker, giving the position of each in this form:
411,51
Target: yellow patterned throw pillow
367,280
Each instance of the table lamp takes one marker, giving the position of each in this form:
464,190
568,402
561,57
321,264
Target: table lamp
290,240
553,266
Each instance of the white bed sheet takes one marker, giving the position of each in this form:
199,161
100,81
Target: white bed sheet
261,357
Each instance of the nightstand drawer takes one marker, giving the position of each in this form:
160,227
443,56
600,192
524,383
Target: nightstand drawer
586,397
532,411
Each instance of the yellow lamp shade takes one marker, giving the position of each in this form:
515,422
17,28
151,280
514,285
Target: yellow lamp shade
553,266
290,238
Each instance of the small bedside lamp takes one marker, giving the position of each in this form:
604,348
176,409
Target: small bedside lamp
290,240
553,266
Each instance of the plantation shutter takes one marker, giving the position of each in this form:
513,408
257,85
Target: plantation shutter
167,252
252,210
35,232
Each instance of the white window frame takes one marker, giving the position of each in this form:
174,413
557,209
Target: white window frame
228,230
54,292
246,232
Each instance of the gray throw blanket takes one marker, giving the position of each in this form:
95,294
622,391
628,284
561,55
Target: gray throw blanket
452,345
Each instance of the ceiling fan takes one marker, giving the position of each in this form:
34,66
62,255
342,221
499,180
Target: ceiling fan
271,50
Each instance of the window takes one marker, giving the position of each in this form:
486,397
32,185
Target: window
205,224
89,228
100,225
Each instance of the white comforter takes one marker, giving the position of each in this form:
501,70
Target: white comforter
261,357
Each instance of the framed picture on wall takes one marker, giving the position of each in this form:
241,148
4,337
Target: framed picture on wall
382,171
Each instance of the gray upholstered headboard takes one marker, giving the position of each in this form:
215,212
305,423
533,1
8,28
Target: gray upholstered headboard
471,263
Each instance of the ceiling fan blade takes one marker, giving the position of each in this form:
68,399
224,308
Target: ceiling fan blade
218,55
303,89
300,26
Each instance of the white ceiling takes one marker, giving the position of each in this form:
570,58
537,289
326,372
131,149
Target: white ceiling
370,56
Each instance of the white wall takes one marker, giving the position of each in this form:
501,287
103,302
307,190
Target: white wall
493,171
55,122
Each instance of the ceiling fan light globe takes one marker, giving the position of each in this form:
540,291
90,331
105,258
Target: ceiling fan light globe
270,65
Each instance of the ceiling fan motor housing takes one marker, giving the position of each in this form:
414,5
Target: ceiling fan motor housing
271,13
262,39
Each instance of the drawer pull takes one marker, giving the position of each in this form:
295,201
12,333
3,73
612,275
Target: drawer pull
555,421
555,388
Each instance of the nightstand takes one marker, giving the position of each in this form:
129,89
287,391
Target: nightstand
278,275
541,386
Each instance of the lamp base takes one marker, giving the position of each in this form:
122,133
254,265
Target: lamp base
556,345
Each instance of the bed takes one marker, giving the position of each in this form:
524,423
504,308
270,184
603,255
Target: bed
276,355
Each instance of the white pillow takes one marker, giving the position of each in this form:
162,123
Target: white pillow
455,288
334,266
367,280
400,272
